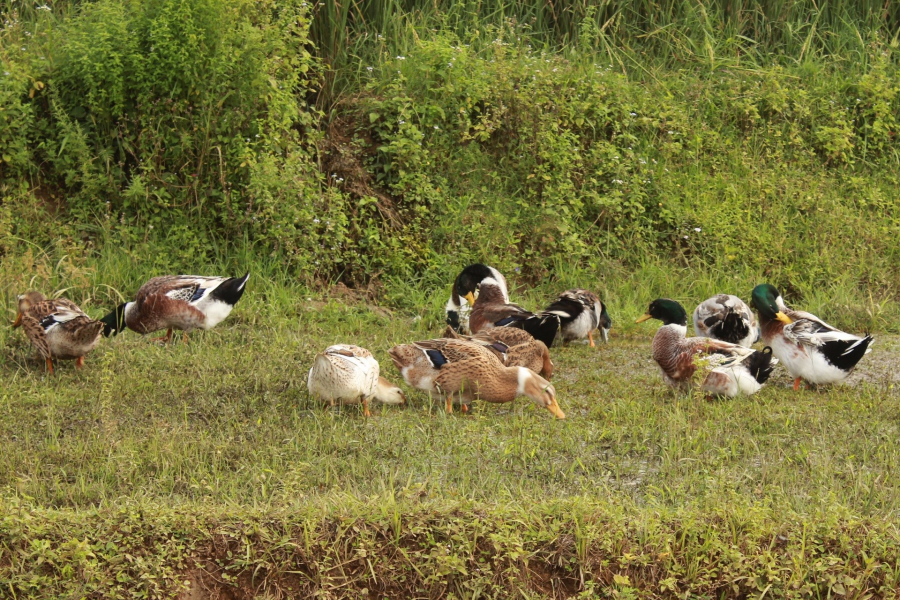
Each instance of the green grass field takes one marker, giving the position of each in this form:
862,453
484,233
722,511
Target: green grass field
206,466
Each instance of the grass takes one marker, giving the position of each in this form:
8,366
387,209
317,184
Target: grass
210,441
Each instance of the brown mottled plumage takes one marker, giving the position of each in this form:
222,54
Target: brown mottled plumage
491,310
514,347
57,328
466,370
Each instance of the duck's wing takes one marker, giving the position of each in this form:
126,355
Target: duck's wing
510,336
443,350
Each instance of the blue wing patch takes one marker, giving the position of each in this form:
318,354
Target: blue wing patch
198,293
505,321
436,358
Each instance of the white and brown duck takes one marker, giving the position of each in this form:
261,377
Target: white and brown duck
348,374
719,368
809,348
580,313
184,302
57,328
463,371
727,318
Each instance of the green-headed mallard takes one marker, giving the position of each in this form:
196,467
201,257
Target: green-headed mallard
184,302
727,369
727,318
463,293
463,370
810,348
492,309
347,374
57,328
580,313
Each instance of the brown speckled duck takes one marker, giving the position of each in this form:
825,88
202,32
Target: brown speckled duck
727,318
514,347
347,374
491,309
463,370
57,328
184,302
720,368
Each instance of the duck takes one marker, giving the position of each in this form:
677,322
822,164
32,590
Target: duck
463,294
57,328
580,313
514,347
184,302
727,369
811,349
349,374
464,370
492,309
727,318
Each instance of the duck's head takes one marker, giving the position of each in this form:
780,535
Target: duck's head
26,301
666,310
466,284
114,322
540,391
767,300
605,323
388,393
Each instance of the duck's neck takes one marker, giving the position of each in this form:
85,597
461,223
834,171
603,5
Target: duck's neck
667,342
490,294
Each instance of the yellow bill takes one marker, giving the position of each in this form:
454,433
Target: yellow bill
470,297
643,318
554,408
783,318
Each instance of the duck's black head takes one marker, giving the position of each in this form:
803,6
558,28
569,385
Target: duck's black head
666,310
467,281
114,322
764,299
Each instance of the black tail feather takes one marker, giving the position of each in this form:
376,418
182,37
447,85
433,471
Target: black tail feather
541,327
844,354
231,290
760,364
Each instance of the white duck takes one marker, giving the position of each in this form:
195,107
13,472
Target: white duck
347,374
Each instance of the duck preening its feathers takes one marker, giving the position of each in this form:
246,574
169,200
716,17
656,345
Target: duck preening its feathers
720,368
58,328
185,302
809,348
348,374
727,318
464,293
514,347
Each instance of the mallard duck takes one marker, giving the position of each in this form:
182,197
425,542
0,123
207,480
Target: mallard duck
810,348
462,295
580,313
727,318
57,328
727,369
514,347
347,374
185,302
465,370
491,309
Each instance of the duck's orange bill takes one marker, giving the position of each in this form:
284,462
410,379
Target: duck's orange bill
646,317
554,408
783,318
471,298
18,320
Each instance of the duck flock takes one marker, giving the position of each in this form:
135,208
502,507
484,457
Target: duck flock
492,350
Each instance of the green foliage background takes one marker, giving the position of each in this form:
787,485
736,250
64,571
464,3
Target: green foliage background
393,142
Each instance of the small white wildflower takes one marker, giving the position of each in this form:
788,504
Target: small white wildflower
436,127
618,181
44,7
685,237
634,114
697,229
671,133
316,220
402,121
370,69
401,58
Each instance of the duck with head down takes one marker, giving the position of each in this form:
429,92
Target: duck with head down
810,348
580,313
57,328
464,371
723,369
491,309
727,318
348,374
